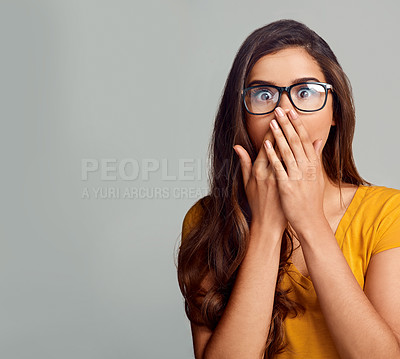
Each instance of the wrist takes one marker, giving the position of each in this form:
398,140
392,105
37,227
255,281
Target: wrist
311,227
263,242
260,230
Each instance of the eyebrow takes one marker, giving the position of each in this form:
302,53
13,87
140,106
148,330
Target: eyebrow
302,79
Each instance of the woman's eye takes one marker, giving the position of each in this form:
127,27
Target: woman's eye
262,95
305,93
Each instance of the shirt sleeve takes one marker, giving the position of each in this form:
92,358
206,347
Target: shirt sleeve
388,232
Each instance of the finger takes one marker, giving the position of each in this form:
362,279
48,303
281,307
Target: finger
292,137
318,146
245,162
284,147
277,165
303,134
262,154
278,154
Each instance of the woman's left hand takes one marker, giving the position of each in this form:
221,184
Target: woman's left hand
301,186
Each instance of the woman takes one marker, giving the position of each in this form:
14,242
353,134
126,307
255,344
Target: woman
273,262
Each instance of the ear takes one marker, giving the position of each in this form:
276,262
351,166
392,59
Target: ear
333,123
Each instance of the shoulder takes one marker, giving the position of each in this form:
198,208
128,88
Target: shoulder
381,191
381,199
374,208
382,206
194,215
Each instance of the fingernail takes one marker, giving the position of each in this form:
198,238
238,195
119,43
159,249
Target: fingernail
279,111
274,124
269,145
293,114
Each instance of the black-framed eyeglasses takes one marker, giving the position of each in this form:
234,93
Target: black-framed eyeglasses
305,96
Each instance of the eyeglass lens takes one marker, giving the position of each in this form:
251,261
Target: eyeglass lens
308,97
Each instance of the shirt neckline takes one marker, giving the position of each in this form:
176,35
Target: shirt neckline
340,230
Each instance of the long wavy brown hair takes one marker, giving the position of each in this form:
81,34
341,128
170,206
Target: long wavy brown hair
215,246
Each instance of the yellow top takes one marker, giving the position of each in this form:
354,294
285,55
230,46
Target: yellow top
371,224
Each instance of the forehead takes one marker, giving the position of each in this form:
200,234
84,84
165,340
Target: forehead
285,66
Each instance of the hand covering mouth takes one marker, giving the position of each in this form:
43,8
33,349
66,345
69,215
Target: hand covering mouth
278,154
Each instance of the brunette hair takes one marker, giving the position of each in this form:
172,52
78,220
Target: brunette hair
216,228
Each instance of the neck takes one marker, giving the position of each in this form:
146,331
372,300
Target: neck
336,200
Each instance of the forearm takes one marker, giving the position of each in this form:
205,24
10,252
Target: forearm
357,329
243,328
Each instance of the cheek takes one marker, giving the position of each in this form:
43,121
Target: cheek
318,127
257,130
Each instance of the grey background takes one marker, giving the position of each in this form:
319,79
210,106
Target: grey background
95,277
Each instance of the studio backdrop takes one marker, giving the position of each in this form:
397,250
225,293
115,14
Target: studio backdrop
107,110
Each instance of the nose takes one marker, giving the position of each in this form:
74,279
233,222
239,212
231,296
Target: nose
285,103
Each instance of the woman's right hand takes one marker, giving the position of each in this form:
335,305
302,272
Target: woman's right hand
262,190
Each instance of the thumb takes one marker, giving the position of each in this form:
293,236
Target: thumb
245,162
